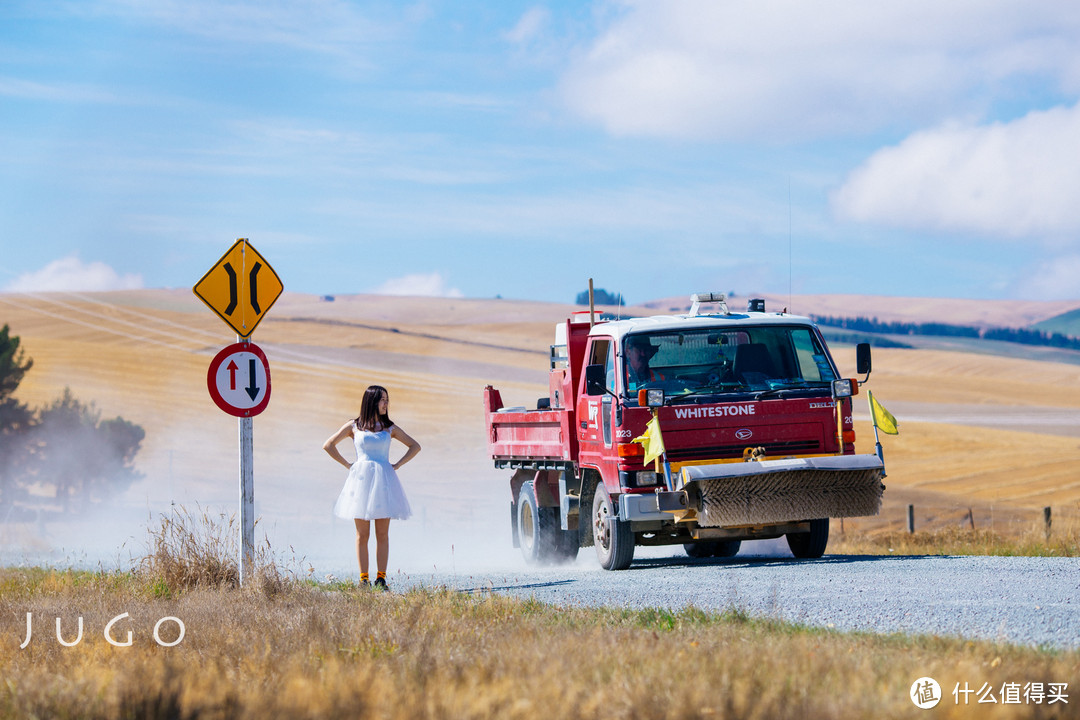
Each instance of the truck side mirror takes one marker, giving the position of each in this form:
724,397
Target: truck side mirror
595,380
862,359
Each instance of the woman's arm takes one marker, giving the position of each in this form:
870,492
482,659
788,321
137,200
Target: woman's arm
413,446
330,446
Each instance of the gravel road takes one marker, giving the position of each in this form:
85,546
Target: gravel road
1018,600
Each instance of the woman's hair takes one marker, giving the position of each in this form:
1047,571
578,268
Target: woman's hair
369,418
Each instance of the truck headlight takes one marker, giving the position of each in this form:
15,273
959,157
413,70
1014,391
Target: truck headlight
650,397
844,388
645,478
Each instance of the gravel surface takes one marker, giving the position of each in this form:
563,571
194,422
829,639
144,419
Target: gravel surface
1018,600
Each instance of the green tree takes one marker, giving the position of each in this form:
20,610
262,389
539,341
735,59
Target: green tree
84,458
600,297
65,445
16,419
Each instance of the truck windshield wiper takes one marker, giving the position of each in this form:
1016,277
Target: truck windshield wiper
718,388
797,386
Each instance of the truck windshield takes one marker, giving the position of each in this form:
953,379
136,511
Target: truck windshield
759,360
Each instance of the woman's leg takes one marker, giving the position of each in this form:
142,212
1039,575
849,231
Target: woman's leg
382,543
363,532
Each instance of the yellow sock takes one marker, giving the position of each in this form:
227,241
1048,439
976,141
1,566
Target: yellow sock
381,575
363,577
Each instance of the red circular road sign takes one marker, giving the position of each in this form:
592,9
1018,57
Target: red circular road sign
239,379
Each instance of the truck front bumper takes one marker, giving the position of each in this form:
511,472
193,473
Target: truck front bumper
765,492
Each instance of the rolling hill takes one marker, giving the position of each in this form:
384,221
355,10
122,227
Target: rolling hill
995,434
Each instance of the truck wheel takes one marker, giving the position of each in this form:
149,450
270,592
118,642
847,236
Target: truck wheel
713,548
612,537
810,544
726,548
698,550
566,548
539,535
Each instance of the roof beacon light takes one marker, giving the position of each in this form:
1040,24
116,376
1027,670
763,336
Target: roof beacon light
697,299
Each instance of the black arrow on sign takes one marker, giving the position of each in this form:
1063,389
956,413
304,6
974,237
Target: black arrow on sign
232,289
252,389
254,288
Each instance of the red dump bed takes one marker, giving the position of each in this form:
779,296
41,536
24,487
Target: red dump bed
519,434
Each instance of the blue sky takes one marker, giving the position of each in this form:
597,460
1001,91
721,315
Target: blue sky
517,149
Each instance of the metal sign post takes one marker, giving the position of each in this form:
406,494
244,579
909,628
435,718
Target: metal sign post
240,288
247,498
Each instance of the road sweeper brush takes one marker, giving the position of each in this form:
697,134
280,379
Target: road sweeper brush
769,491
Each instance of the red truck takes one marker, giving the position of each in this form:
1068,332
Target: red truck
756,426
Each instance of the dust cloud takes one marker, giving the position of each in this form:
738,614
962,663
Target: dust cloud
435,360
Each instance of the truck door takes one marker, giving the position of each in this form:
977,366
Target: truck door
595,413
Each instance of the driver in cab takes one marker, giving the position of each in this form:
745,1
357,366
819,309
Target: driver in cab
639,351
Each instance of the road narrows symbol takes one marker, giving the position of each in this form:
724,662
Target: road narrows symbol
255,288
233,294
241,288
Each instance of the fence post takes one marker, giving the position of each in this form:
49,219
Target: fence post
971,518
911,518
1046,521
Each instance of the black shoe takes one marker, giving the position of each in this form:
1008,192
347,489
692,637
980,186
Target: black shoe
380,584
365,584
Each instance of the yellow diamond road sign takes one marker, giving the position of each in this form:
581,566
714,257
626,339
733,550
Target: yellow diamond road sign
240,288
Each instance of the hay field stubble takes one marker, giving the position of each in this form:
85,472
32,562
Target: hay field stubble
143,355
331,651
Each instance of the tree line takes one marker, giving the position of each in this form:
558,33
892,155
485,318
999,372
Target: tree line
63,454
1024,336
600,297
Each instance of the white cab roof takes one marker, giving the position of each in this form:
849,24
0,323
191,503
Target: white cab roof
661,323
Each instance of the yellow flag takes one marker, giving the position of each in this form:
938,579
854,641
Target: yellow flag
883,419
651,440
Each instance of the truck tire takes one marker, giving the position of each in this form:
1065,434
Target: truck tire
541,539
698,550
612,537
567,546
713,548
810,544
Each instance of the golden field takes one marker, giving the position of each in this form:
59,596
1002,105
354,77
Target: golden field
143,355
294,647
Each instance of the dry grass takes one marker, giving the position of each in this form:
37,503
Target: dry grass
328,652
200,550
299,649
958,541
295,648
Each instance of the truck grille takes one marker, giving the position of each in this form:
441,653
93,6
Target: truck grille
772,450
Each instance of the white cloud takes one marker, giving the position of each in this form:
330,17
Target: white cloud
530,26
426,285
1055,279
54,92
1017,179
330,27
789,69
70,273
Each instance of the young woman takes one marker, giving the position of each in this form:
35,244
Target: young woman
372,491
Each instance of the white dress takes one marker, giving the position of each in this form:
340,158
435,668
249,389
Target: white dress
372,489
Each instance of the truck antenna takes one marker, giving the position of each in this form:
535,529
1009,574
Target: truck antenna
592,306
789,242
